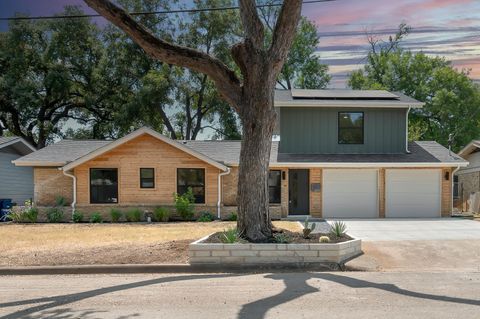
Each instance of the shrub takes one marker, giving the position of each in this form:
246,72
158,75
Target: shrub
161,214
96,218
54,215
307,229
134,215
184,204
25,214
281,238
30,214
338,228
230,236
77,217
60,201
324,239
233,217
115,215
206,217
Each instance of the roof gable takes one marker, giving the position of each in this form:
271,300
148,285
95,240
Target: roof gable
135,134
470,148
18,143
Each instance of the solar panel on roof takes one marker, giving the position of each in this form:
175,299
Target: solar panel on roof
343,94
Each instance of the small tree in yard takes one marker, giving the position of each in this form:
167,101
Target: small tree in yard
251,96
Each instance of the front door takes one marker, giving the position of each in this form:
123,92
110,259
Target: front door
298,194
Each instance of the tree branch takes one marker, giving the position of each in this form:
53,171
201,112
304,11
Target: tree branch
225,79
251,23
284,33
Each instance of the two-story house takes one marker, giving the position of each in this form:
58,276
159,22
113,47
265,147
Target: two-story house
341,154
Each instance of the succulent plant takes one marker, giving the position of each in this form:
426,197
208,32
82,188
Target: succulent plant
324,239
307,229
338,228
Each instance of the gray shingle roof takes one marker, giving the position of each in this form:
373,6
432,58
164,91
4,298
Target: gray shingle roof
420,152
228,152
6,139
64,151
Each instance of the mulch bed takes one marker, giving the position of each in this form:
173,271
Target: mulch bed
293,238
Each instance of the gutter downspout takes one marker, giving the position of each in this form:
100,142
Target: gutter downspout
220,190
406,131
74,202
453,183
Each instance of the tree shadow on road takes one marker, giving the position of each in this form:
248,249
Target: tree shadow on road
296,286
41,306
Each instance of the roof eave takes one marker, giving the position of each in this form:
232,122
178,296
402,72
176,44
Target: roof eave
363,165
468,149
18,140
342,103
38,163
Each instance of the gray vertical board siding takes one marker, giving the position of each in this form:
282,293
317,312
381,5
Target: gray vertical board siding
15,182
311,130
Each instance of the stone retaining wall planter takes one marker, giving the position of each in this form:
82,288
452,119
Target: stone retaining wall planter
274,254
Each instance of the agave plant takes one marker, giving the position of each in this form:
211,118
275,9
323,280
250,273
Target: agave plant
338,228
307,229
230,236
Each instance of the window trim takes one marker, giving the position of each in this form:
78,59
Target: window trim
279,186
204,182
338,127
90,185
140,178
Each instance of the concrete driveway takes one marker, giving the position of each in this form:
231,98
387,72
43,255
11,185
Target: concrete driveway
451,245
413,229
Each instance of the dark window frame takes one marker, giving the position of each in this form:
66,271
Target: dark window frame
349,127
456,187
278,187
92,201
193,185
143,178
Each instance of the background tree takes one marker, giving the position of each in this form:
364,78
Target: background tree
47,74
452,99
302,68
251,95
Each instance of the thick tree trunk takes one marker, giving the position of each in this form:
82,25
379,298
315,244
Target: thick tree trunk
253,200
252,99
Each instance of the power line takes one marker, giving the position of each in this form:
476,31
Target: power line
155,12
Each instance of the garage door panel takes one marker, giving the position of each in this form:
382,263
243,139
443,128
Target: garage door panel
412,193
350,193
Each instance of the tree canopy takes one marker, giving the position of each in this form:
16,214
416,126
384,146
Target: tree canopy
70,78
452,99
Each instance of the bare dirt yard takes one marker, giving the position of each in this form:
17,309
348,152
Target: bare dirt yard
86,244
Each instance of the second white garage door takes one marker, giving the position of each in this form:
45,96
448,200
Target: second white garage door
412,193
350,193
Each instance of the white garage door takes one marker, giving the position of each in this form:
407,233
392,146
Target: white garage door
350,193
412,193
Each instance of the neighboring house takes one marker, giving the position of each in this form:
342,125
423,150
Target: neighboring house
341,153
16,183
467,179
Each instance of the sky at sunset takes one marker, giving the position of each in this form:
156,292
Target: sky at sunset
449,28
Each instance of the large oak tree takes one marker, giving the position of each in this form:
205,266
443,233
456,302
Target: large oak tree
251,95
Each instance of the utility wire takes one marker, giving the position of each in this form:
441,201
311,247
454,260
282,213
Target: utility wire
155,12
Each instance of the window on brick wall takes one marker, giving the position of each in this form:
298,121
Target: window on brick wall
275,186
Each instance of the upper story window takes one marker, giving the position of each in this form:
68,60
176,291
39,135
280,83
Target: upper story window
193,178
350,127
147,178
103,185
274,186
